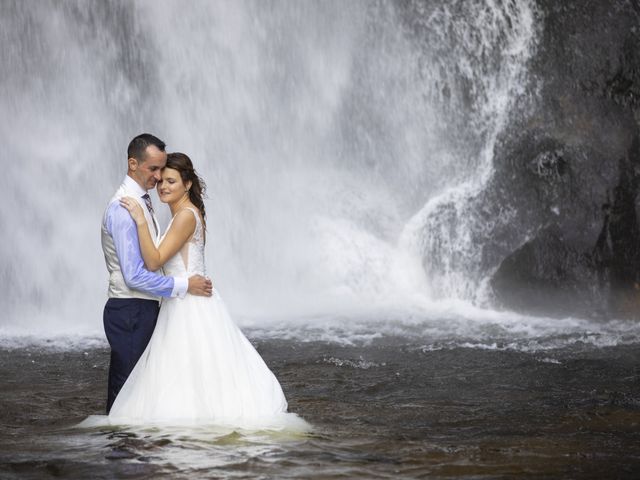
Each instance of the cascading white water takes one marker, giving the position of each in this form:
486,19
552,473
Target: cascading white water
493,43
339,140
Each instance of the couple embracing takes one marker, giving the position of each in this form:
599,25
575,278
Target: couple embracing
184,362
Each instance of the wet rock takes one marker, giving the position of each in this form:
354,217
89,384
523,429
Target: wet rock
570,168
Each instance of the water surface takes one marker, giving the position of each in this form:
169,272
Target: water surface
388,408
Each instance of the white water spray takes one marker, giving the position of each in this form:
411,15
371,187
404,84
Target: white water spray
341,142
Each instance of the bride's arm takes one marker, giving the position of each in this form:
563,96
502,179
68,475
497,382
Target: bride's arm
182,227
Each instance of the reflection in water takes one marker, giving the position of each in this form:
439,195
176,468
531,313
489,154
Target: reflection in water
191,450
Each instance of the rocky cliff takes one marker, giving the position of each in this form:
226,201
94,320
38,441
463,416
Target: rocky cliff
571,169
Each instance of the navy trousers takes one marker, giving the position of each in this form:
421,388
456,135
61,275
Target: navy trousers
128,324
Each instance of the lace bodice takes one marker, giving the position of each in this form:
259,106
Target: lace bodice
190,258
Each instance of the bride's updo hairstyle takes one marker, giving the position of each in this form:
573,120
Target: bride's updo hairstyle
182,163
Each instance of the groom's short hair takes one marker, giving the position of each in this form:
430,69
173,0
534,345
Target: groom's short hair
138,146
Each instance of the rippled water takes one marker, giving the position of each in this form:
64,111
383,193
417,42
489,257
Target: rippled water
390,407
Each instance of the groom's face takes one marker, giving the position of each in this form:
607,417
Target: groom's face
148,172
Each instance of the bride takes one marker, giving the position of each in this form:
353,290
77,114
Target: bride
198,367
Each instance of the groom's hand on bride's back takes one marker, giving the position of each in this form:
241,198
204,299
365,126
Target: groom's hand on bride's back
199,285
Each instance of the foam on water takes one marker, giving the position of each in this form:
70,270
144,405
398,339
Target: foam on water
448,326
359,363
436,326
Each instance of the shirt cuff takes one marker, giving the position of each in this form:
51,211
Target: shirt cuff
180,287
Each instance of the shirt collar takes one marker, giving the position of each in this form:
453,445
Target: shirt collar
133,186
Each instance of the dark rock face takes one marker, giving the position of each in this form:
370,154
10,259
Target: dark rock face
571,168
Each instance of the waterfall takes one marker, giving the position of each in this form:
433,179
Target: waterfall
343,144
493,42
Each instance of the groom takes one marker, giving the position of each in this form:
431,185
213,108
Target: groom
132,308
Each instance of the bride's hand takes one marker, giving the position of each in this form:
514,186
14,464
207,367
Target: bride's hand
134,209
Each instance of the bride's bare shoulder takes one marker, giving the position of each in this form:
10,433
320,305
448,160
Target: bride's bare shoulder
184,220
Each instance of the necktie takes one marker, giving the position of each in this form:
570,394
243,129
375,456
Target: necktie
147,201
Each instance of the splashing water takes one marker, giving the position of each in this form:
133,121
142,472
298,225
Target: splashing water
344,145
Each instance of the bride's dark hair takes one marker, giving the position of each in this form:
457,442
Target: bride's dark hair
180,162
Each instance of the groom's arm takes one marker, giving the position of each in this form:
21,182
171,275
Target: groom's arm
124,232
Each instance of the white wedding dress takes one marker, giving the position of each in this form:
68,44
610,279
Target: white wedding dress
199,368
